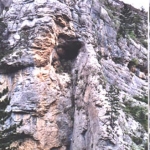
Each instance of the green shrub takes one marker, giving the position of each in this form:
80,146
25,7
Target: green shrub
144,43
137,140
113,99
135,61
132,35
138,113
142,99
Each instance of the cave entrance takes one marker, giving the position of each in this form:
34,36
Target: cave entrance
69,49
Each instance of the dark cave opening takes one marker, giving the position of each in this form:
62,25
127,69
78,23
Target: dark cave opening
69,49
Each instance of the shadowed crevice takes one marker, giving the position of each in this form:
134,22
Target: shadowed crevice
69,49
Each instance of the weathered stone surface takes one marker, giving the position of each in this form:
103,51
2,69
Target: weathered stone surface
59,61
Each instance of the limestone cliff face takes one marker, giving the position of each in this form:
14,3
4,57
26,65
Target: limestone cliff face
61,63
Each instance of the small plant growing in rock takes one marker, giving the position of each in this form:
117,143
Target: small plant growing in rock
142,99
135,61
113,98
4,33
138,113
132,35
7,134
144,43
4,101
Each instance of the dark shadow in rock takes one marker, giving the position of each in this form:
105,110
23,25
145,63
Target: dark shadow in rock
118,60
69,49
66,52
4,69
138,70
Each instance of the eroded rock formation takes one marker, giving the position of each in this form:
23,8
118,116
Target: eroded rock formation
58,61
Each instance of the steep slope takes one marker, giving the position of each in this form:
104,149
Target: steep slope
73,76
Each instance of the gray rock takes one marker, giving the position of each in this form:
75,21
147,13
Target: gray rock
61,101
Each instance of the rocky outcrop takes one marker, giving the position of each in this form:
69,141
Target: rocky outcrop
64,77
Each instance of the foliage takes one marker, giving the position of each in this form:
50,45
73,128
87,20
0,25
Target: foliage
4,34
144,43
8,135
138,113
119,35
131,24
135,61
3,104
137,140
146,145
140,144
142,99
132,35
137,19
113,98
126,21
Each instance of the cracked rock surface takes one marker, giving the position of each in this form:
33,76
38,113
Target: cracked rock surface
58,62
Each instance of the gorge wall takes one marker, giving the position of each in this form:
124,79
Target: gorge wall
67,75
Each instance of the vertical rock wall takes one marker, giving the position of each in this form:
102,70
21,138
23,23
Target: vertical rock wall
58,62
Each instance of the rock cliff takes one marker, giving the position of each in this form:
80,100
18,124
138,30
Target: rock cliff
73,75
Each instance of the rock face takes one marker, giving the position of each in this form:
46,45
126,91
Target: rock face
64,77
